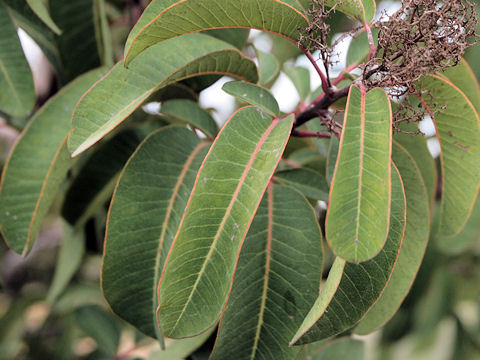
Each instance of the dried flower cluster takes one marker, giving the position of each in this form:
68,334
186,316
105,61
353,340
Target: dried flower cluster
422,37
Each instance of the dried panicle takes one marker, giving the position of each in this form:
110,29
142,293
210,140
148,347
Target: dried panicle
422,37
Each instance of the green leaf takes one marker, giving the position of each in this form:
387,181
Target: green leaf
77,45
165,19
181,349
300,77
101,326
463,77
268,66
361,10
322,144
359,47
358,214
144,216
190,113
309,182
70,256
253,94
332,158
17,95
466,239
37,166
271,294
95,181
352,289
198,273
120,92
342,348
413,248
417,144
236,37
458,132
39,8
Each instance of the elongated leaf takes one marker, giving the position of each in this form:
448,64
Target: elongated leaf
181,349
144,216
358,214
458,131
270,294
77,44
191,113
164,19
417,144
467,238
413,247
361,10
38,165
352,289
269,67
40,9
236,37
309,182
70,256
198,273
463,77
96,179
17,95
300,77
253,94
120,92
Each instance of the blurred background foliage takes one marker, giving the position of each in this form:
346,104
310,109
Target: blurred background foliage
51,306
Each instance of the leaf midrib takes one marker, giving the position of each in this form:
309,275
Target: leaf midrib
224,220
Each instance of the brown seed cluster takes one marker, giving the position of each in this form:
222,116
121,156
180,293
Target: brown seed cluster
422,37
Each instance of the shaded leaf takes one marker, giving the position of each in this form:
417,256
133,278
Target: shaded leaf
40,9
253,94
190,113
300,77
309,182
271,294
361,10
458,131
332,158
163,20
77,44
198,273
120,92
96,179
268,66
144,216
359,47
352,289
413,248
236,37
181,349
17,95
38,165
358,214
69,259
342,348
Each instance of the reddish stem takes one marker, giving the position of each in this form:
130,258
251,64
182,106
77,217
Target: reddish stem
325,81
371,53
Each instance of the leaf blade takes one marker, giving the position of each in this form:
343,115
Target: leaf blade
224,203
253,94
364,156
122,90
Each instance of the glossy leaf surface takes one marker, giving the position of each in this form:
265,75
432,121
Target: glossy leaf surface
30,183
458,131
190,113
270,294
164,19
352,289
358,214
17,95
144,216
253,94
120,92
414,243
198,273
